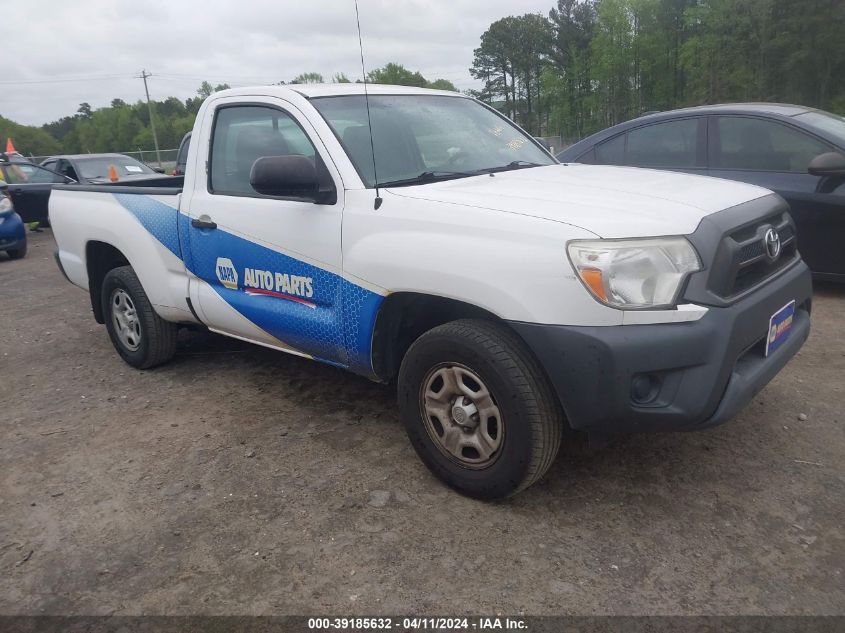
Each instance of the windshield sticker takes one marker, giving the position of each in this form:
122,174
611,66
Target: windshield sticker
134,169
515,144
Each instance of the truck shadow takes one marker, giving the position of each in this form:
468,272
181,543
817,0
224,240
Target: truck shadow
300,379
665,472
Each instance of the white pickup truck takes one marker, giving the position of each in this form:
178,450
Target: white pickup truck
507,294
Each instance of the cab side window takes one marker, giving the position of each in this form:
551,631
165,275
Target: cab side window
242,135
762,145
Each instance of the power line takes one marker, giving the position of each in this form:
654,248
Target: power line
63,80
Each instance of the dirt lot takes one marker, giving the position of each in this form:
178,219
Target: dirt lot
240,480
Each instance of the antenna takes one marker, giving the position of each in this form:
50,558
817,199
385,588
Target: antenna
367,101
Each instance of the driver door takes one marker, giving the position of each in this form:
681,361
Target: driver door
265,269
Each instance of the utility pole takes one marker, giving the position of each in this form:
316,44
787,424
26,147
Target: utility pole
144,75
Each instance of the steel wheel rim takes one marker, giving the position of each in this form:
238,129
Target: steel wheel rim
124,316
461,416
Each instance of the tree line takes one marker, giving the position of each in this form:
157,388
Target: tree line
123,127
590,64
586,65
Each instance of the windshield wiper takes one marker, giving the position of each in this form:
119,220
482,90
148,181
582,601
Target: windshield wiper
428,176
516,164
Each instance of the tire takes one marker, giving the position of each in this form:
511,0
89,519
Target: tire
17,253
149,340
521,421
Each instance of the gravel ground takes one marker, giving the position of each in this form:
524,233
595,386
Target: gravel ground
238,480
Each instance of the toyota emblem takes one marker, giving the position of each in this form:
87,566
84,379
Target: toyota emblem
772,242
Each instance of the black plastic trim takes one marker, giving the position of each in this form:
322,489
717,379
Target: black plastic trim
193,311
713,285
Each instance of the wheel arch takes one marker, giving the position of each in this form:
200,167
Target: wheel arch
404,316
100,258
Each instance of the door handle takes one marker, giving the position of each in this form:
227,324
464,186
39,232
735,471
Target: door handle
203,222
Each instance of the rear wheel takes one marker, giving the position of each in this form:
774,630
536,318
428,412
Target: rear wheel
478,409
141,337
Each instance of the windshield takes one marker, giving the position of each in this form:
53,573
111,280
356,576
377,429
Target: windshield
99,167
418,138
833,126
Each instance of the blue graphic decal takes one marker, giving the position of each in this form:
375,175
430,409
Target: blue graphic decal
326,316
307,307
184,223
359,309
158,218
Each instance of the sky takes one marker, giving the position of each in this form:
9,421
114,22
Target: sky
60,54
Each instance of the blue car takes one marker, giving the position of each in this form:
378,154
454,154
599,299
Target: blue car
12,229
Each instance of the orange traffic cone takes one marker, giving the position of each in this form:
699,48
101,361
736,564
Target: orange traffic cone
10,147
113,173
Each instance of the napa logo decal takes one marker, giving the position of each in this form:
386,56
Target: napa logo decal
226,273
267,283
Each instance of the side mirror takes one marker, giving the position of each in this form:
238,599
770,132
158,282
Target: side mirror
292,176
544,143
828,164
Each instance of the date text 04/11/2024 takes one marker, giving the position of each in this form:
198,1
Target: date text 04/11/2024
418,623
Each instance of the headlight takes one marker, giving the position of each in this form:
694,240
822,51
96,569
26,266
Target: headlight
634,274
5,203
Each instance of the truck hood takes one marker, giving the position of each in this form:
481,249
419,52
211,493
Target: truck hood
611,202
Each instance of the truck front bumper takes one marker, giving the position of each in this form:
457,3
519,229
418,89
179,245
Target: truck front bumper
673,376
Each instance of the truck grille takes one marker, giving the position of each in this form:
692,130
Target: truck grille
733,248
751,261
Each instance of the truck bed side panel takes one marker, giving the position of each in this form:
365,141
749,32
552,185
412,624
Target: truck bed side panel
143,227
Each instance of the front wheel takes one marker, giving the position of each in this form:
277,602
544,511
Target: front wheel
478,409
141,337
